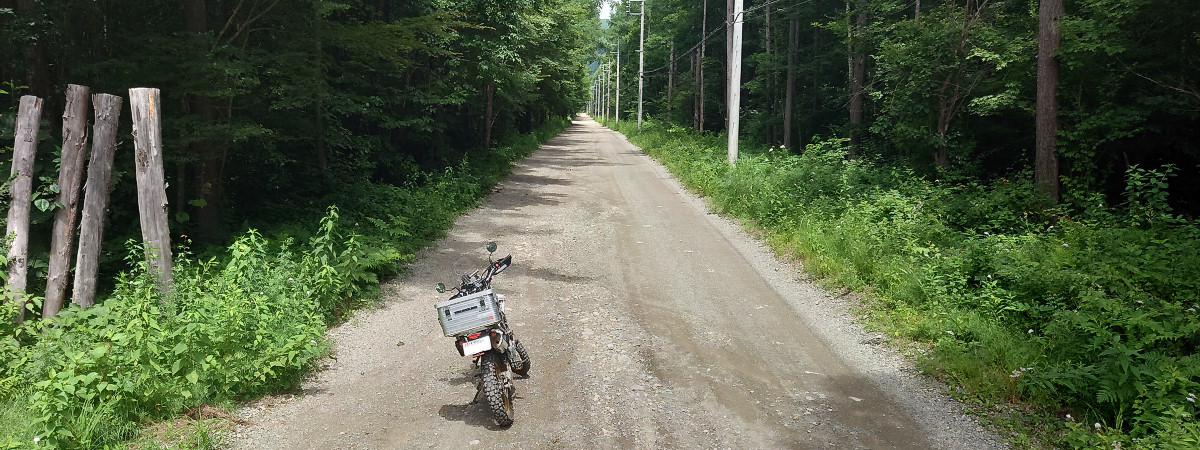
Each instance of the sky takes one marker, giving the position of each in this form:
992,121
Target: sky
606,9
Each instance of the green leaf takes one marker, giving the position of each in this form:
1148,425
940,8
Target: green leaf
193,377
180,348
199,203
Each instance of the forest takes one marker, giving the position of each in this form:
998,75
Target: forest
903,150
1009,186
311,147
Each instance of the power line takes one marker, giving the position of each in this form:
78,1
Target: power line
722,27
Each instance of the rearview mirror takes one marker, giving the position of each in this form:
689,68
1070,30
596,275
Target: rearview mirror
491,247
441,288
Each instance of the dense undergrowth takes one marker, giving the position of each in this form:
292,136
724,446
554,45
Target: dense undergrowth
1081,318
248,321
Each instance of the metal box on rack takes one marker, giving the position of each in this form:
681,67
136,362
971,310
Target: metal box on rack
470,313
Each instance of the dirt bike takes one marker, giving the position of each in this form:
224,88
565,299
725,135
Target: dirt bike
474,317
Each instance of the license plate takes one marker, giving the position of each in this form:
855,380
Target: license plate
480,345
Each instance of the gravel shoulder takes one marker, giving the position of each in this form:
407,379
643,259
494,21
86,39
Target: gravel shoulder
651,323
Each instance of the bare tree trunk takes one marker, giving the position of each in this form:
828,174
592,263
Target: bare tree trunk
1049,37
29,116
917,11
790,96
95,198
152,191
858,74
70,177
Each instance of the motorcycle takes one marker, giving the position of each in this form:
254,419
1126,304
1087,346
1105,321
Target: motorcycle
474,317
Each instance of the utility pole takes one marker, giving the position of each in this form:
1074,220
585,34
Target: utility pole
641,54
735,81
617,108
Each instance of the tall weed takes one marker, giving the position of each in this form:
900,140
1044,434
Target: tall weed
1015,298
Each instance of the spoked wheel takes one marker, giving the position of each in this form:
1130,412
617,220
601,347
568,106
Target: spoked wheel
497,387
521,364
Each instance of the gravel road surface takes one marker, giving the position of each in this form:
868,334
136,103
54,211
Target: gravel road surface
651,323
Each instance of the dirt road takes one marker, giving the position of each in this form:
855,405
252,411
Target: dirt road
651,324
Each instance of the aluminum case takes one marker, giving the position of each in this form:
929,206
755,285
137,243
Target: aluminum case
467,314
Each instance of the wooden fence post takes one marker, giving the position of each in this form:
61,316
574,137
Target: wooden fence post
29,117
70,176
95,198
152,191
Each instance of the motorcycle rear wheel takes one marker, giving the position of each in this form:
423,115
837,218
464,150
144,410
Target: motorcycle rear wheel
497,387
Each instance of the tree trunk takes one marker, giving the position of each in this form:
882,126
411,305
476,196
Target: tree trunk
696,91
37,68
70,177
208,154
771,99
671,83
146,107
790,95
858,74
95,198
488,121
1049,38
29,116
700,63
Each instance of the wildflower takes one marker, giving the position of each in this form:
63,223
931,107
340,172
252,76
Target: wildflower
1070,418
36,439
1065,245
1097,426
950,332
1030,331
1191,398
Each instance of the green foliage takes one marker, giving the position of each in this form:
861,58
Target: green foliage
249,326
248,322
1009,298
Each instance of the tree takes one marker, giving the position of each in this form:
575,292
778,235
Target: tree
1049,38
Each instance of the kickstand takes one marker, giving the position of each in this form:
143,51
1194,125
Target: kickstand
478,392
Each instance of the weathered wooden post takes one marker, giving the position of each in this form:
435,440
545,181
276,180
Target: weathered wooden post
152,190
70,176
95,197
29,116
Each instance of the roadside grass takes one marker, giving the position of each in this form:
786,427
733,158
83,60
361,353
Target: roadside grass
1072,325
245,322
